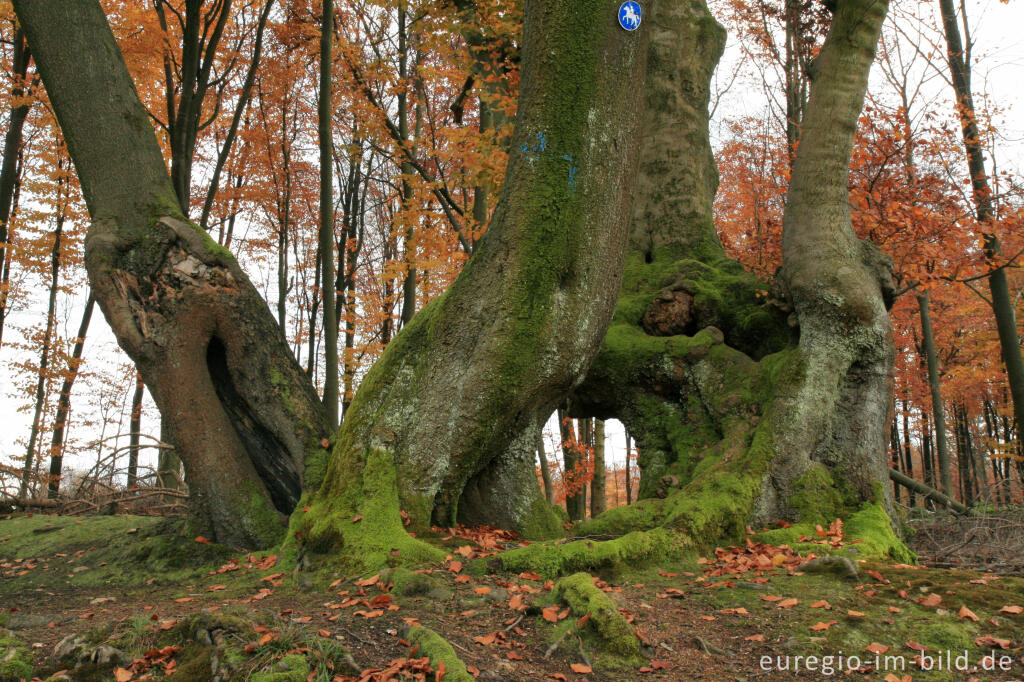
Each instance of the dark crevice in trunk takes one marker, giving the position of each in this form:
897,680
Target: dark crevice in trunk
269,455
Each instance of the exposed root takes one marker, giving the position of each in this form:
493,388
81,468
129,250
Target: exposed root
438,650
552,560
614,634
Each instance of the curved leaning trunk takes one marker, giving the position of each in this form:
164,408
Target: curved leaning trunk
243,415
746,408
443,427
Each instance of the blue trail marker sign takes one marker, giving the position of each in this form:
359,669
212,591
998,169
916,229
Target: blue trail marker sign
630,15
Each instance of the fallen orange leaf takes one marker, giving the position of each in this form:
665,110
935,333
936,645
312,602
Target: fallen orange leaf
968,614
580,668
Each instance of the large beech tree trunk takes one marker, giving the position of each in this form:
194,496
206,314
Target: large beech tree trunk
243,415
746,406
444,425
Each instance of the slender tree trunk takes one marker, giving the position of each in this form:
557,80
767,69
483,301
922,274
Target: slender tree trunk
629,475
1002,302
243,102
242,414
134,433
64,403
897,456
570,464
545,472
10,166
932,362
598,503
908,469
325,112
44,353
409,284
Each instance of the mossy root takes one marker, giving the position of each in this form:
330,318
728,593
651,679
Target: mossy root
615,636
438,650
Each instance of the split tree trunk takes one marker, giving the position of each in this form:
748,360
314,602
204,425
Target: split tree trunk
444,425
738,416
243,415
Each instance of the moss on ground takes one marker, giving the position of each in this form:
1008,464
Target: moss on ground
15,659
106,551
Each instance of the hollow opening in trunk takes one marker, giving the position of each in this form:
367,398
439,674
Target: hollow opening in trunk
268,454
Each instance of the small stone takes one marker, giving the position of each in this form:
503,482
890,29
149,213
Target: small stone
105,655
69,647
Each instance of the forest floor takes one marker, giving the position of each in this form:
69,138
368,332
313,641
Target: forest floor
132,601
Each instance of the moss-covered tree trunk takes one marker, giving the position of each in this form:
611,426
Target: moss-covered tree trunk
444,426
747,405
242,414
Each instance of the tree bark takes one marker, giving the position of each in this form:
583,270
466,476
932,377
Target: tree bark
242,414
444,425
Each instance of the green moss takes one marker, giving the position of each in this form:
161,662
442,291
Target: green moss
615,636
945,634
116,550
406,583
438,650
195,664
815,498
867,534
258,514
15,659
541,522
378,538
872,525
291,668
